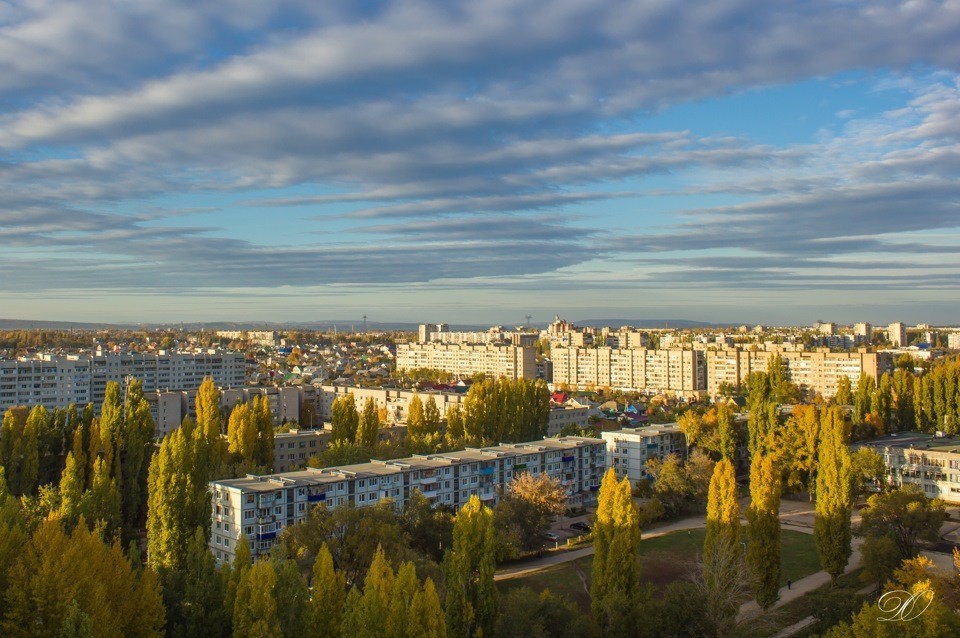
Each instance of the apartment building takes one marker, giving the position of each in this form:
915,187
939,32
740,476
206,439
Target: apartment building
562,416
815,371
675,371
629,449
466,360
929,461
292,450
261,507
256,337
441,333
57,381
897,334
395,401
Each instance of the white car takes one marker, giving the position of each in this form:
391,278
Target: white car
551,536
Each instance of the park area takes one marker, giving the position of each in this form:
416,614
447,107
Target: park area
664,559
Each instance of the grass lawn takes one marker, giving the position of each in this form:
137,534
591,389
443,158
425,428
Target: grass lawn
663,560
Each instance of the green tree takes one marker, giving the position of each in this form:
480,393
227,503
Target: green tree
102,502
905,516
455,432
903,392
427,619
763,530
415,418
727,430
111,427
199,609
369,430
867,469
616,569
400,603
471,604
880,559
844,394
137,448
722,569
862,399
241,432
431,417
344,418
834,494
292,598
72,484
255,611
263,424
329,596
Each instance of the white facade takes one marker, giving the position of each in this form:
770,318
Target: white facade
57,381
675,371
261,507
464,360
930,462
629,449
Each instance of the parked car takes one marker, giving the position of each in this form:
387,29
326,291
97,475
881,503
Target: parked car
580,526
552,536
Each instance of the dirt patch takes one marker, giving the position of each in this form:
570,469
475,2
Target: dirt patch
663,568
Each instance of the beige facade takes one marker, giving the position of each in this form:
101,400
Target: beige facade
677,372
464,360
395,401
816,371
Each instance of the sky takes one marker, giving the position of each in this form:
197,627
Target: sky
476,162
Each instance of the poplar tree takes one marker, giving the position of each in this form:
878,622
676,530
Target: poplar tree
292,598
111,427
344,418
209,427
102,503
263,424
137,448
727,431
454,424
368,432
831,527
426,615
242,433
199,610
472,599
616,569
406,585
722,558
415,417
431,417
844,394
232,575
255,611
72,484
329,596
374,606
862,399
763,529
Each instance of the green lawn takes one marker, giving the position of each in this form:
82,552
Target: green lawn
665,559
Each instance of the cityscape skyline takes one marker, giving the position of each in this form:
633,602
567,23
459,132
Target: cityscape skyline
727,162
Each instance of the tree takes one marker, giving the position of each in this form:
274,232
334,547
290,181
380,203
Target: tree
880,558
523,514
905,516
255,611
209,427
429,527
415,418
431,417
868,470
102,503
727,431
57,569
263,424
834,494
344,418
721,582
471,604
406,585
763,530
862,399
455,431
616,540
722,567
241,432
199,610
426,615
369,429
292,598
137,448
329,596
844,394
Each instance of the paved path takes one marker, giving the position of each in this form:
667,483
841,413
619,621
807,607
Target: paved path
518,571
786,632
804,585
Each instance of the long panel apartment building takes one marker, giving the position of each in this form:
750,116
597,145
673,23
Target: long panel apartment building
675,371
261,507
818,371
465,360
56,381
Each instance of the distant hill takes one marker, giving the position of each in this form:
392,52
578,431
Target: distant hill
643,323
35,324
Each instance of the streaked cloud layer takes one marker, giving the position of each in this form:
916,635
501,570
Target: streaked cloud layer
720,161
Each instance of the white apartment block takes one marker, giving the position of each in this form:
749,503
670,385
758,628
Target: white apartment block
563,415
261,507
440,333
629,449
57,381
897,334
929,461
816,371
678,372
256,337
465,360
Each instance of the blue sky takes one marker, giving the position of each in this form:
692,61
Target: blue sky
475,162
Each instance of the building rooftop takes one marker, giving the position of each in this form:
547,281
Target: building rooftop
916,441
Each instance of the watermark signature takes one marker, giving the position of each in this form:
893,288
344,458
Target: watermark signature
900,605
